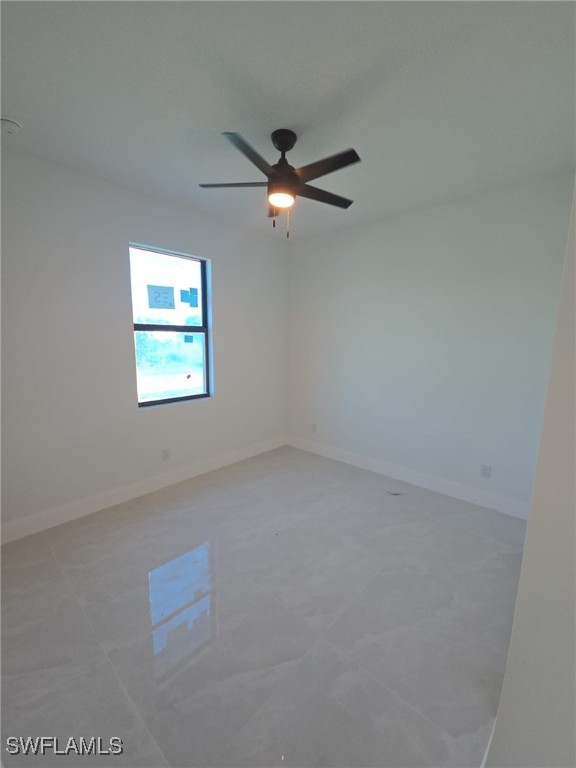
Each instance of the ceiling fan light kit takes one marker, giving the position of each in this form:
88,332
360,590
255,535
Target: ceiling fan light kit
281,199
285,182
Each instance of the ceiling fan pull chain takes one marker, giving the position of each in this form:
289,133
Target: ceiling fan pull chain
288,222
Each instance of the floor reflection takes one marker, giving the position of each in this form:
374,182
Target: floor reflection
182,609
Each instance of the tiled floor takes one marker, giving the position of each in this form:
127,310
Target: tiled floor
285,611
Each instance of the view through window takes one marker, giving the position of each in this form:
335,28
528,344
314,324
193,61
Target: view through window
169,303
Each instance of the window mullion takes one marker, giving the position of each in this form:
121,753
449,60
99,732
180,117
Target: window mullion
173,328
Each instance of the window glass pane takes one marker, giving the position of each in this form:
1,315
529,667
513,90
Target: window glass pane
166,289
169,364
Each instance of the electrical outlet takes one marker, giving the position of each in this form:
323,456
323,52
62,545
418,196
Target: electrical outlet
486,471
165,454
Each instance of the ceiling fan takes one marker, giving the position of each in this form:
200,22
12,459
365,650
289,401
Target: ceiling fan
284,182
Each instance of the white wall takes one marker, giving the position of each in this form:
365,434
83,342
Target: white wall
536,723
420,345
73,436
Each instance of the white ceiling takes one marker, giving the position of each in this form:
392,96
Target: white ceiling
440,99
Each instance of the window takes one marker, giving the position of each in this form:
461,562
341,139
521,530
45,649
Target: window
170,310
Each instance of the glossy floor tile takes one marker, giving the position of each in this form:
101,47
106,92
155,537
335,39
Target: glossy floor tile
287,610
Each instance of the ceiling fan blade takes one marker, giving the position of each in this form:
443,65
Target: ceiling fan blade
313,193
327,165
249,152
239,184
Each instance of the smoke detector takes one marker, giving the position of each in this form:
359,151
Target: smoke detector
9,127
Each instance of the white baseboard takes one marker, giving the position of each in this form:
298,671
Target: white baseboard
48,518
41,521
464,492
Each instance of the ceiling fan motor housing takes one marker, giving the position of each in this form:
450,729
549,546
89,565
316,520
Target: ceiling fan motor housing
284,178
